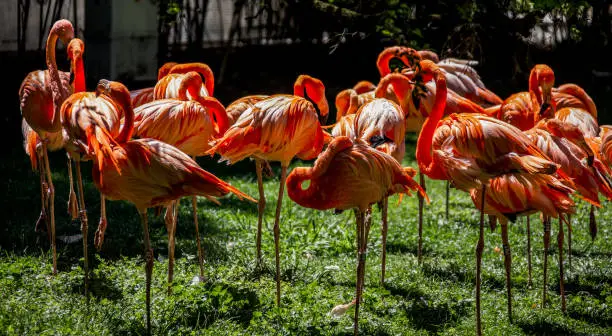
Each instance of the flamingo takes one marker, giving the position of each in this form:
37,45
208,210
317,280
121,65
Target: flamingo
463,79
525,109
505,174
350,174
149,173
380,123
143,96
90,125
188,125
41,95
278,128
167,87
239,106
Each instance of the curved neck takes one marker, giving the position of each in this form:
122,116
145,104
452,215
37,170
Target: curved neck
534,85
79,75
401,88
424,143
216,112
57,90
294,182
128,114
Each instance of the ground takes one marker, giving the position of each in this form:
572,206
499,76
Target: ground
318,261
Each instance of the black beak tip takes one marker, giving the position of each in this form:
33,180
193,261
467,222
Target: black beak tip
544,107
323,120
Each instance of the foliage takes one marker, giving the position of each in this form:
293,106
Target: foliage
318,268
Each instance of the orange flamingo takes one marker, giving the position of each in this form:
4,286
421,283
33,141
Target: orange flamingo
351,175
167,87
380,123
143,96
188,125
41,95
239,106
462,79
475,152
90,125
525,109
278,128
149,173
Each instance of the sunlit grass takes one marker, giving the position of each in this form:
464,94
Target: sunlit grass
318,268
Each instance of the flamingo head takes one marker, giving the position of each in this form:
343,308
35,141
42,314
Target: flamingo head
165,69
542,77
75,51
191,82
395,59
63,29
115,91
313,90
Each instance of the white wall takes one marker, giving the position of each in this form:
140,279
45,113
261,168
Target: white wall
8,22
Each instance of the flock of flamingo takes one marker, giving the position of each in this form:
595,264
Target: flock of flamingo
526,154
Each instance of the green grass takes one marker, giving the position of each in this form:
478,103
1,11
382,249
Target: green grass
318,268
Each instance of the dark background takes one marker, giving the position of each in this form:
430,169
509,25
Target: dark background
358,32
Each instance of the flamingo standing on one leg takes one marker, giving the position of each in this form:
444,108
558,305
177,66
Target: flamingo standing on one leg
189,125
279,128
380,123
149,173
41,95
90,125
505,174
351,175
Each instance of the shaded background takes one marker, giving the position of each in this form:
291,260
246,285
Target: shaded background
260,46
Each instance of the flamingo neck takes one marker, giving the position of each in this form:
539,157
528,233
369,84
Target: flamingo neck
57,90
79,76
423,151
400,88
128,114
217,113
304,197
534,86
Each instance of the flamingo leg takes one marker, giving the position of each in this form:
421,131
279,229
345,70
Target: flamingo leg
529,281
171,243
261,206
479,248
507,264
148,266
447,197
592,224
279,204
569,241
385,208
546,245
51,199
194,205
360,219
44,200
421,201
99,236
560,245
84,227
73,209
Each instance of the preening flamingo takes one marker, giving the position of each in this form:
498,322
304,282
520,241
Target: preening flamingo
149,173
505,174
143,96
189,125
167,87
351,175
380,123
41,95
278,128
91,123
